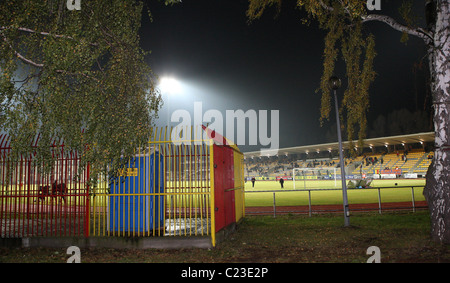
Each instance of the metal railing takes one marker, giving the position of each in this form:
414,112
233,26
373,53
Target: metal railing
329,208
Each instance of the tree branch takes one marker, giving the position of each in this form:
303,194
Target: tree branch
21,57
419,32
43,33
38,65
328,8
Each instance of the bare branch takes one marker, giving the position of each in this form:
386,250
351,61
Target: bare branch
42,33
30,62
328,8
419,32
21,57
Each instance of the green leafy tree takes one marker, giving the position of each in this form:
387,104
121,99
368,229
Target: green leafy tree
77,75
344,22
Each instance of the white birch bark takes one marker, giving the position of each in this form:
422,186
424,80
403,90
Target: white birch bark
437,189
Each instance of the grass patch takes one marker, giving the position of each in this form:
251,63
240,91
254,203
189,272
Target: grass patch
401,237
389,193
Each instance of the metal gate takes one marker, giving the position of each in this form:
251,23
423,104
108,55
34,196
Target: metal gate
36,204
165,190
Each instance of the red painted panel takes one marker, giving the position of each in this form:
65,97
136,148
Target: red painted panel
225,213
229,185
219,192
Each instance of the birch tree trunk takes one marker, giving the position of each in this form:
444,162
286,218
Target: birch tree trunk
437,189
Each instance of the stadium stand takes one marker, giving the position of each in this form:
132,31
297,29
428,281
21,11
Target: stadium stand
410,155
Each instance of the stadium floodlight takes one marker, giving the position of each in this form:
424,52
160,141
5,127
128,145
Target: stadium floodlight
335,84
169,85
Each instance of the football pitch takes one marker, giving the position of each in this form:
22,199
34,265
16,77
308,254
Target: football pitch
326,193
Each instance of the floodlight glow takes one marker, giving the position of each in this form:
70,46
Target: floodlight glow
170,86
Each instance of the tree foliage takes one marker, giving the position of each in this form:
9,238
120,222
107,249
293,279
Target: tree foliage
345,39
75,76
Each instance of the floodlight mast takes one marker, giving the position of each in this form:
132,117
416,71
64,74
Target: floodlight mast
335,83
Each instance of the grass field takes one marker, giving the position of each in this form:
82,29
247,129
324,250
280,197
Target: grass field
398,190
401,237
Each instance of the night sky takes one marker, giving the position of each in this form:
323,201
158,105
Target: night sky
274,63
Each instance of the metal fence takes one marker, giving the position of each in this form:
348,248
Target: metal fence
165,190
312,208
193,187
33,203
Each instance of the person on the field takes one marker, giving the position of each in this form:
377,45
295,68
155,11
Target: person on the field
281,182
253,182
